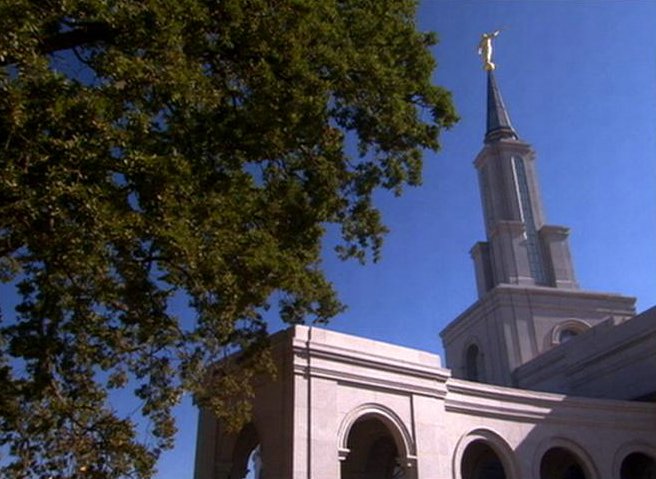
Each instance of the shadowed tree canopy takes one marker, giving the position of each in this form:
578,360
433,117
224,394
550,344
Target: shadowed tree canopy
158,149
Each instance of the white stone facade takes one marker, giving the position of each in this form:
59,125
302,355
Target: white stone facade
615,360
511,325
337,397
345,407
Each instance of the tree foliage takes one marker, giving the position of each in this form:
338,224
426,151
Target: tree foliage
161,149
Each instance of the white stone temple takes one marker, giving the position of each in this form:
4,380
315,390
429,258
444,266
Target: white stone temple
543,380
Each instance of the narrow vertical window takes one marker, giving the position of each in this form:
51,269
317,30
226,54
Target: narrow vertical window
486,197
472,363
536,262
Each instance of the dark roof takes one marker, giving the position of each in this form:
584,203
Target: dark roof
498,121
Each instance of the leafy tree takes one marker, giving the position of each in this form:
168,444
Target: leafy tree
156,149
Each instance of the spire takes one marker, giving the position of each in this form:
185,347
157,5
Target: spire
498,122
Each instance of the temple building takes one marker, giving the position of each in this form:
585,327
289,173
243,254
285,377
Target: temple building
543,379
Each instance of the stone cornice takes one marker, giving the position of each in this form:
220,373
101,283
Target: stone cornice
435,389
507,146
503,294
315,358
476,399
607,346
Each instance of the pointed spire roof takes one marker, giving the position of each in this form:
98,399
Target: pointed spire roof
498,121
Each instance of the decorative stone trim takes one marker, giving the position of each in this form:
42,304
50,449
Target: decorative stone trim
629,448
498,445
397,429
577,325
590,468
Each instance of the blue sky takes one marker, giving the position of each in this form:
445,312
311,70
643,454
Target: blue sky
579,81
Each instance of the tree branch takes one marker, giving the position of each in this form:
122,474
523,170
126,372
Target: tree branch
83,34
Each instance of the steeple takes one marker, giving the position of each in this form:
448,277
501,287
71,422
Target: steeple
498,121
521,248
527,290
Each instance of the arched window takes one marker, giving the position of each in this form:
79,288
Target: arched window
638,466
479,461
247,455
559,463
372,452
474,367
254,464
566,334
567,330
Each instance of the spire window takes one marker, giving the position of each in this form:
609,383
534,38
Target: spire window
536,261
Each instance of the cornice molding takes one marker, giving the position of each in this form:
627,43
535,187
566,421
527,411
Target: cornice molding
476,399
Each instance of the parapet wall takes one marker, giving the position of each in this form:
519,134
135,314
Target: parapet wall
614,360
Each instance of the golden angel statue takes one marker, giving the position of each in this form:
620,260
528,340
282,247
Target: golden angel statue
485,50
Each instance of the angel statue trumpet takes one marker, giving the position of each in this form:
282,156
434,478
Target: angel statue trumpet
485,50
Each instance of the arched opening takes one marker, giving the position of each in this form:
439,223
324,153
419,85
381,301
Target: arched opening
373,452
638,466
474,369
254,464
559,463
566,334
568,330
247,455
479,461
